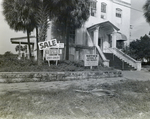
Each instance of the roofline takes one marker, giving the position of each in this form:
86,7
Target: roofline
91,27
20,38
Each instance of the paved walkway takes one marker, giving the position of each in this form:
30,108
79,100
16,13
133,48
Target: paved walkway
31,86
137,75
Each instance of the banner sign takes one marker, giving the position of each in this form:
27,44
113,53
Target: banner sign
91,60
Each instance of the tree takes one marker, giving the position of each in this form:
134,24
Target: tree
146,9
19,15
140,49
70,14
42,16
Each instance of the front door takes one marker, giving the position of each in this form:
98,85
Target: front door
110,40
100,43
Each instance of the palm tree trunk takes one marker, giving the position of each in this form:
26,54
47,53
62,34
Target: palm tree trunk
39,52
67,41
37,40
28,37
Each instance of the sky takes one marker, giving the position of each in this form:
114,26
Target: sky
140,27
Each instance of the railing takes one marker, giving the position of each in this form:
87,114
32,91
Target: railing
104,60
89,42
126,58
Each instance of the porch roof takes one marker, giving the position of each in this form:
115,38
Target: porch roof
22,40
107,26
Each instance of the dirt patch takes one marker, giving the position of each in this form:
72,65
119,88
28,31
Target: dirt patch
85,100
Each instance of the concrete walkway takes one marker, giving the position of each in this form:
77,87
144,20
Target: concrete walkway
142,75
60,85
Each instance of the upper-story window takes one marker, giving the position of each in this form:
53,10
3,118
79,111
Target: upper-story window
72,35
118,12
93,8
103,7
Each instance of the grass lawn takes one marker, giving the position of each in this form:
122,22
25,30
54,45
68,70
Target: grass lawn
10,63
123,100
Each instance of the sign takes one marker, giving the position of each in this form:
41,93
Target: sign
53,51
47,44
61,45
91,60
52,57
50,44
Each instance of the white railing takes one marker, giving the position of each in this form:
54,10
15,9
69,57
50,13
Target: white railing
126,58
89,42
104,60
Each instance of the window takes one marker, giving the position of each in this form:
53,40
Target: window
72,35
103,7
118,12
93,8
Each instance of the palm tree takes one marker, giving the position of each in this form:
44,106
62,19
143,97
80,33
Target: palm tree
146,9
42,16
70,14
19,15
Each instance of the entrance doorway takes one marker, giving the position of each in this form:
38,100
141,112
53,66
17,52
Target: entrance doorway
110,40
100,43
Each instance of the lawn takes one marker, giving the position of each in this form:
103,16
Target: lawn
10,63
122,100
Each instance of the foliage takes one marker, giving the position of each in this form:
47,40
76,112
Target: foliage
69,14
139,49
146,9
10,63
20,15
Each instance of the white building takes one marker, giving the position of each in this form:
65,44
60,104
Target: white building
106,31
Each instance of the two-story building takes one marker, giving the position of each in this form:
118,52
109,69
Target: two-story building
106,31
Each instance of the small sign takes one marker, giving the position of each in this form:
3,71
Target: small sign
61,45
91,60
52,57
53,51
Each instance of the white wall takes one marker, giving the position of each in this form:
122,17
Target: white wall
111,15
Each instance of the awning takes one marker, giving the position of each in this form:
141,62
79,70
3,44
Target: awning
23,40
120,36
106,26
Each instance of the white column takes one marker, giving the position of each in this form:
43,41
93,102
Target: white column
96,32
113,40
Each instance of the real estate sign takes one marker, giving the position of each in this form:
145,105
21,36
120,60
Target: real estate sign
91,60
51,50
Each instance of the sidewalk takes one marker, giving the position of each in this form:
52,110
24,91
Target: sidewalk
142,75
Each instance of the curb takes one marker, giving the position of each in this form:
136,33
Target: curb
16,77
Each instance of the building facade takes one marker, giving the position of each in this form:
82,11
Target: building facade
107,27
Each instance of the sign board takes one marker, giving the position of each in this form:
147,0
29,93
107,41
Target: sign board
53,51
61,45
91,60
52,57
47,44
50,44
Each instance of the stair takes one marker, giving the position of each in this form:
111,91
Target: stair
126,58
117,63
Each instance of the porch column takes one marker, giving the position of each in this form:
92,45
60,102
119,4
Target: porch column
95,40
96,32
113,40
